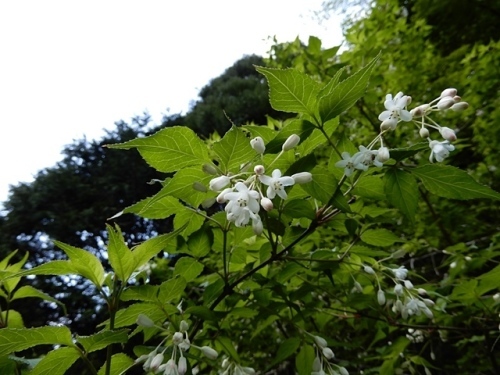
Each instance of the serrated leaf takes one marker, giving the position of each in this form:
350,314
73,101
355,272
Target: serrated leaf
300,127
286,349
170,149
171,289
120,362
181,186
291,91
346,93
233,149
188,221
188,268
379,237
27,291
55,267
102,339
146,293
264,132
120,257
128,316
213,291
399,154
11,283
56,362
159,206
401,191
322,185
450,182
85,263
145,251
17,339
228,347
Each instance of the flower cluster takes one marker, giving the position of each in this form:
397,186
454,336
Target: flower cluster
408,300
180,343
395,112
324,354
245,197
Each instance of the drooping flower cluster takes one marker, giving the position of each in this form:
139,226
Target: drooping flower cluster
245,198
407,300
232,368
180,343
396,111
324,354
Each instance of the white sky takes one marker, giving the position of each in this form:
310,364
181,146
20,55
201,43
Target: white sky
73,68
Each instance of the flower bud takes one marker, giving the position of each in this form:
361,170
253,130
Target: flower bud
177,338
320,341
219,183
144,321
358,287
343,371
198,186
457,99
291,142
182,369
369,270
408,284
389,124
458,107
428,302
383,154
398,254
209,169
183,326
209,352
328,353
422,291
220,197
257,144
266,204
424,133
302,177
448,134
420,110
445,103
428,313
257,227
156,362
207,203
398,290
448,92
259,170
381,297
316,364
248,370
408,99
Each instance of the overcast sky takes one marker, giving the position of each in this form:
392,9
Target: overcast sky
73,68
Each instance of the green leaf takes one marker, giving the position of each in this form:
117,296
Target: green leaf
188,268
450,182
371,187
402,192
322,185
27,291
213,291
170,149
128,316
399,154
56,362
15,319
304,360
300,127
298,208
148,249
56,267
11,283
5,261
181,186
291,91
171,289
159,206
120,257
120,362
200,242
379,237
233,150
102,339
146,293
85,263
228,348
17,339
286,349
188,221
341,97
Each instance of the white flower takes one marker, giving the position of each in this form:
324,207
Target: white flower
219,183
395,111
328,353
424,132
382,155
170,368
440,150
445,103
259,170
266,204
381,297
349,163
243,205
258,145
398,290
182,366
221,197
366,158
257,226
448,92
400,272
457,107
276,184
209,352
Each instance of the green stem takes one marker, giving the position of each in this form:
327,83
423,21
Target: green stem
113,308
224,255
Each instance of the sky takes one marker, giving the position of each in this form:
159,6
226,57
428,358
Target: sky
70,69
